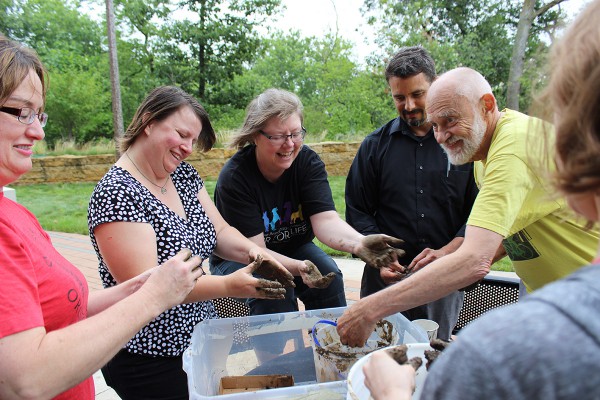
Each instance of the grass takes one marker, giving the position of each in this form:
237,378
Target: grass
58,207
63,208
503,264
61,148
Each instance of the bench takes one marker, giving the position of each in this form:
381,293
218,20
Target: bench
493,291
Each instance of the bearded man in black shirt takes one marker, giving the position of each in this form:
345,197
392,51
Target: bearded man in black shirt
402,184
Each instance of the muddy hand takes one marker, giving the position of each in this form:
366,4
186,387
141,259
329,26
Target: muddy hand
380,250
386,379
172,281
390,276
399,354
271,271
354,329
438,346
270,289
312,277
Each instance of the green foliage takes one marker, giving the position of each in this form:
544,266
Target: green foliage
55,28
340,100
476,34
220,40
69,43
213,49
79,107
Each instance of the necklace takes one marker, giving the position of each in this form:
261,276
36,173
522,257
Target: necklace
163,190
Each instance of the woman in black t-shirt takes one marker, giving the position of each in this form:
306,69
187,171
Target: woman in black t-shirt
274,190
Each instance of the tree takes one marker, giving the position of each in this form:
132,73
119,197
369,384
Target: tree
70,45
115,83
221,39
477,34
339,98
529,13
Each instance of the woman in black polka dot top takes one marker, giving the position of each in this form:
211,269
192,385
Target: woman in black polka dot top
147,207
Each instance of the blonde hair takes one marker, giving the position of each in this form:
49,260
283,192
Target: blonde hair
573,95
16,61
270,103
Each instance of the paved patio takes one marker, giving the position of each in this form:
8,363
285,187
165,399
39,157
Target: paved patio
79,251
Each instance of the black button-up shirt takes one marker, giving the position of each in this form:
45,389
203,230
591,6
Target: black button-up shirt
403,185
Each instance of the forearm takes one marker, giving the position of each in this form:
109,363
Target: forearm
500,253
336,233
291,264
440,278
233,246
100,300
48,364
453,245
210,287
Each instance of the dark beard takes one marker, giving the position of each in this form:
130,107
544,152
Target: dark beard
414,122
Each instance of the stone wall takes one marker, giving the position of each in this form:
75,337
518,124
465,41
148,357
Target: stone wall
336,156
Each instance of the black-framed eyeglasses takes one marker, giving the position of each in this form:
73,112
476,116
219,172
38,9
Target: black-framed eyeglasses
295,137
26,115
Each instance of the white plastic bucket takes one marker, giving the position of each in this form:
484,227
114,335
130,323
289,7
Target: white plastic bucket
333,359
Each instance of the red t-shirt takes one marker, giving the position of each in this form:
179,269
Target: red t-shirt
38,287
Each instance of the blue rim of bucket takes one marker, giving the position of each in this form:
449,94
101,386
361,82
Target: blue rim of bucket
323,321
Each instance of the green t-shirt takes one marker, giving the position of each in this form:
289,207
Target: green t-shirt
544,239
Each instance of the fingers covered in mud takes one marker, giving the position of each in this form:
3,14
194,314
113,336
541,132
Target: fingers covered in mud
399,354
380,250
270,289
313,277
415,362
438,346
273,272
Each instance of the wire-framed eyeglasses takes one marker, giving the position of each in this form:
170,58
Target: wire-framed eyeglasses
26,115
295,137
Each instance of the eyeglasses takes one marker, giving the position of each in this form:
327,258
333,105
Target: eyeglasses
296,137
26,115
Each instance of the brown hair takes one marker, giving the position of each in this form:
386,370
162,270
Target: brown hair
270,103
573,95
159,104
16,61
411,61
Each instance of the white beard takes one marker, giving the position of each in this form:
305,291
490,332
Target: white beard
470,146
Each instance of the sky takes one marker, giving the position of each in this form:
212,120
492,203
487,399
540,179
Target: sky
316,17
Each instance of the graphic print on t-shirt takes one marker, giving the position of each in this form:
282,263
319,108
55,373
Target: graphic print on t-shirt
519,247
278,230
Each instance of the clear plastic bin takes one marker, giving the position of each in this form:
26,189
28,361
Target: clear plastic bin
264,345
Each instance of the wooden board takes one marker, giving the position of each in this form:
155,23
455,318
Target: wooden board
238,384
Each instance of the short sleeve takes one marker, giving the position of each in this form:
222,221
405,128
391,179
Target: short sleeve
510,198
114,201
236,203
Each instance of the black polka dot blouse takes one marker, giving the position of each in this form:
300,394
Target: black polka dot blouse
120,197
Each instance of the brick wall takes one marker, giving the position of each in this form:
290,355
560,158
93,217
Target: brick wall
336,156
